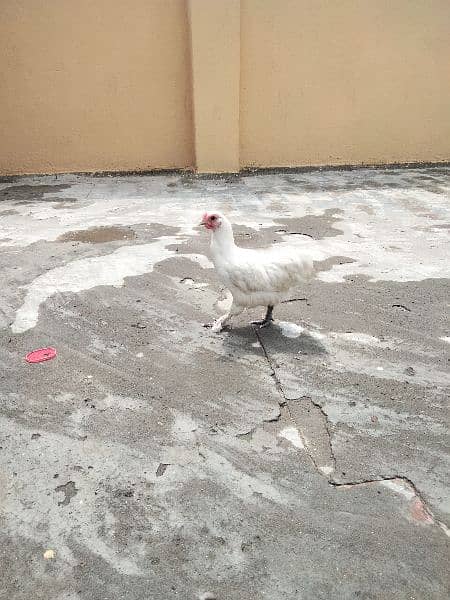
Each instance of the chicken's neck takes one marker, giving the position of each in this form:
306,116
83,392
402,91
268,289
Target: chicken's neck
222,240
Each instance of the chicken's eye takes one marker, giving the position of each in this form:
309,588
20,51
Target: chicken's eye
213,218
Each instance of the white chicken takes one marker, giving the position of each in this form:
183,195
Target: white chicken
263,277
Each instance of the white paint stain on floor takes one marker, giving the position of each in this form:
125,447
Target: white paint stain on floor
86,273
293,330
399,487
292,435
326,470
355,337
290,330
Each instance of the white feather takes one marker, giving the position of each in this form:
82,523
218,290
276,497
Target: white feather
256,277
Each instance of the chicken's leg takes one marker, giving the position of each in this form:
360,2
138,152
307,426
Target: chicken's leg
267,319
222,321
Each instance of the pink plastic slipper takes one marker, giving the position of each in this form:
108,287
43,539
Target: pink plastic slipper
40,355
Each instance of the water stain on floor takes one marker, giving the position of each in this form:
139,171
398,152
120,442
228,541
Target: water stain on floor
29,194
69,490
98,235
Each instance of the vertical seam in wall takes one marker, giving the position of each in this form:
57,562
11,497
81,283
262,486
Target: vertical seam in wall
191,87
239,91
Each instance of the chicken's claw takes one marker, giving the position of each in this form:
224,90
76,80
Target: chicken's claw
216,327
263,323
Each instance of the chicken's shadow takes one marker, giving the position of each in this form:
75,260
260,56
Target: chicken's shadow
273,341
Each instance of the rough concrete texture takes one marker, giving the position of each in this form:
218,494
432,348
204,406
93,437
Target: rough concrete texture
153,459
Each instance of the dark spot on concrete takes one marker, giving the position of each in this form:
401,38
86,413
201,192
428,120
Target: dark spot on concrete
65,205
98,235
296,300
247,436
161,469
11,211
28,194
442,226
247,546
9,179
35,436
219,540
69,490
410,371
300,233
124,493
402,306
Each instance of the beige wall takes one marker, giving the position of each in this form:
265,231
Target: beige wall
94,85
347,81
220,85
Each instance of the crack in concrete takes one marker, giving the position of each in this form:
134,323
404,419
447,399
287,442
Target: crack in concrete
327,426
420,511
286,403
283,402
272,368
402,306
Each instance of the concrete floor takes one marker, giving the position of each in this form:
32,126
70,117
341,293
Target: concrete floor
153,459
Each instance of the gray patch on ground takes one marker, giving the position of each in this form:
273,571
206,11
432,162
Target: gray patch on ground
314,226
367,180
28,194
69,490
98,235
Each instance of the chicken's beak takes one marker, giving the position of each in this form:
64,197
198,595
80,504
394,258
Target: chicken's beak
202,222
